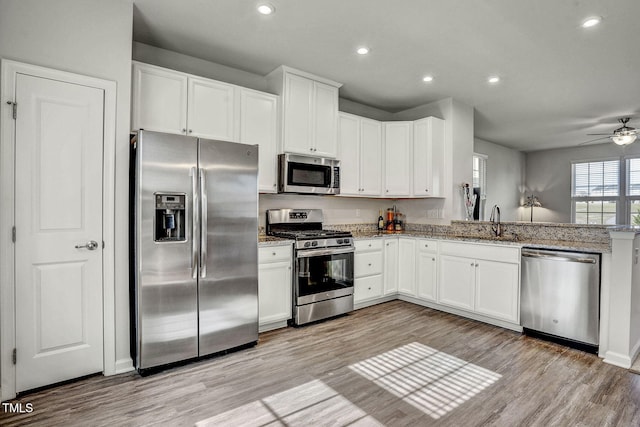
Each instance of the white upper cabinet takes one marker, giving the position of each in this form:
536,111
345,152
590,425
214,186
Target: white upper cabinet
258,125
159,99
309,112
428,157
173,102
211,109
398,148
360,154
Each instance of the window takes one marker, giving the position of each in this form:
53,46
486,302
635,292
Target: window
595,192
606,192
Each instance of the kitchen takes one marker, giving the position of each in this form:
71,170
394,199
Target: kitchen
103,37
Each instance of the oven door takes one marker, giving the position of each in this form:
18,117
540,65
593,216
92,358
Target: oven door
323,274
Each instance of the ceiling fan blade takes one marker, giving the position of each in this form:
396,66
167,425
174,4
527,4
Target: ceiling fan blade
607,134
593,140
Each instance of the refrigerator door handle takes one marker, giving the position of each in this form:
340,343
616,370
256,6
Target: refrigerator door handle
195,223
203,223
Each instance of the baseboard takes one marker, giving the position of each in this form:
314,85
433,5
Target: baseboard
124,365
617,359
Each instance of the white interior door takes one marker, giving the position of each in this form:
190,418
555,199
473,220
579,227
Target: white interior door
58,270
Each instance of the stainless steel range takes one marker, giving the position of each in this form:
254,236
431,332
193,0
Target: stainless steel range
323,274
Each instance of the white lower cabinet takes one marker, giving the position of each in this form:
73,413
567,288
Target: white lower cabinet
274,286
407,266
483,279
427,271
367,270
390,266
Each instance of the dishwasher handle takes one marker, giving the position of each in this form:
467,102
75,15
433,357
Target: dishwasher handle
558,257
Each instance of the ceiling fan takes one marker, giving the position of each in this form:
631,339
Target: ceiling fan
622,136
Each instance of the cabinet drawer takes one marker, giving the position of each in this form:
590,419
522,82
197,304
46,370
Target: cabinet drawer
368,245
367,263
481,251
367,288
274,253
427,245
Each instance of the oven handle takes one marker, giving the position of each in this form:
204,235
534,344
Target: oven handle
306,253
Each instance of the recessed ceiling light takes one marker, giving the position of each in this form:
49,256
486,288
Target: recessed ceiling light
427,79
493,79
362,50
591,22
266,9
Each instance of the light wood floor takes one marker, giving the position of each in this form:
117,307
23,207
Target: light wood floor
395,364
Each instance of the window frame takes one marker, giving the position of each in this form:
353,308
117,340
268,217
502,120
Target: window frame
621,204
627,181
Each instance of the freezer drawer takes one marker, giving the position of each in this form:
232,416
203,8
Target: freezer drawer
560,294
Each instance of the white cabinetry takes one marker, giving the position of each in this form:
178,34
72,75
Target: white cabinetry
407,266
390,266
367,270
398,148
258,125
211,109
360,148
484,279
173,102
159,99
309,112
428,157
427,255
274,286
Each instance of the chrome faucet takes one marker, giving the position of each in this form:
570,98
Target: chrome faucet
496,227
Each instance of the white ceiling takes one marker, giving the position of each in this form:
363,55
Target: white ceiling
559,81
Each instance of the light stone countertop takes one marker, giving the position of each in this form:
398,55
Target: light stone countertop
529,243
264,241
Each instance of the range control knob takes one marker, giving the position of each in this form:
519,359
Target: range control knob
307,244
314,243
339,241
346,240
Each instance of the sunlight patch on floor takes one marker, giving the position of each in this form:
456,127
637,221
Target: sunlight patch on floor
428,379
310,404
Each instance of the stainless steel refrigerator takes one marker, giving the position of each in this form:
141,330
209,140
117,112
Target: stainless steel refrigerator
195,289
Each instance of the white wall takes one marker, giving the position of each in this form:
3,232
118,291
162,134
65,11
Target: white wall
505,180
90,37
548,175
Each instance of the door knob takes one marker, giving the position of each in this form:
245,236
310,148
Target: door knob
91,245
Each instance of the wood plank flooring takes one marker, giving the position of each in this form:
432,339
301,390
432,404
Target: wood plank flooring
394,364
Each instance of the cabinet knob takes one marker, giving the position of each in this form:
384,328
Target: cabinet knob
477,264
426,246
472,264
369,264
274,184
433,259
184,130
190,130
273,253
426,190
369,244
387,191
369,288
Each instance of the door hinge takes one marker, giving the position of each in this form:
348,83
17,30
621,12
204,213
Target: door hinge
14,356
13,234
14,109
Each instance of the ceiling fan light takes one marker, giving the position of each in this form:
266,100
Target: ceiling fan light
623,139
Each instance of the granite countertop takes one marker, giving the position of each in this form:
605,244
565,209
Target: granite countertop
264,240
530,243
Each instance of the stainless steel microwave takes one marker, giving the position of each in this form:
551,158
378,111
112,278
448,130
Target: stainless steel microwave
308,175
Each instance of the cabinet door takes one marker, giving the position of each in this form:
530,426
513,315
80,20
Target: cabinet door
456,284
497,290
325,120
407,266
297,114
349,142
428,157
159,99
370,158
398,163
427,275
390,266
367,288
258,125
211,110
274,291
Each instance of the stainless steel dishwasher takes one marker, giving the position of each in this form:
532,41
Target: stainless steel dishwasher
560,295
